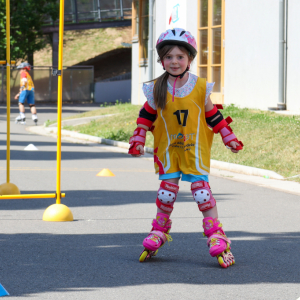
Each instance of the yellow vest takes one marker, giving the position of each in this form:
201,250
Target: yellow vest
182,140
29,83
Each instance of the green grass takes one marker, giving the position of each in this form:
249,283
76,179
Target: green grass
271,141
118,127
81,45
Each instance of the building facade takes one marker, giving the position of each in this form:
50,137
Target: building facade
249,48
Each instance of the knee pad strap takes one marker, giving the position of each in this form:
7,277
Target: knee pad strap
166,196
202,195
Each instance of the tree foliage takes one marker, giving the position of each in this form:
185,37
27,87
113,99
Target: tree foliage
26,20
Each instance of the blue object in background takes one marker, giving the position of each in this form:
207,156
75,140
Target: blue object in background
3,291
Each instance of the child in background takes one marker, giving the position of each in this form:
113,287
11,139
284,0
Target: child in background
26,93
179,111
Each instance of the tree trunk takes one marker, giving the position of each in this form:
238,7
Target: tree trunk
30,58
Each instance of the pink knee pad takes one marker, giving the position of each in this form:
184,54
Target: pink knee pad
202,195
166,196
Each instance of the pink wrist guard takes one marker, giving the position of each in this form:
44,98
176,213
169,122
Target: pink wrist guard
228,136
138,138
215,120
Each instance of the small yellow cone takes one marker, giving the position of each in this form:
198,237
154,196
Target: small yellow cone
106,173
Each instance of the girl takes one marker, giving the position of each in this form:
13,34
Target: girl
26,93
179,107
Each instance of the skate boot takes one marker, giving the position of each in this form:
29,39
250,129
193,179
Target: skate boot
34,119
157,237
218,243
20,120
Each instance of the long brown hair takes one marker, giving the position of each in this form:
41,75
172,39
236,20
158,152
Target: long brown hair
161,82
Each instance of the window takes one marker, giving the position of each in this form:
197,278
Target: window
210,48
143,31
135,19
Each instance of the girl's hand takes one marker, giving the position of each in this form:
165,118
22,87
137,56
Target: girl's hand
141,149
233,146
17,96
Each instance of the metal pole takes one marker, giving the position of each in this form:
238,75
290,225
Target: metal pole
150,40
2,81
121,9
99,11
76,11
49,88
285,49
30,196
8,90
281,103
71,84
59,100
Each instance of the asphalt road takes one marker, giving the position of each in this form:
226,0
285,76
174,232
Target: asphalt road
96,255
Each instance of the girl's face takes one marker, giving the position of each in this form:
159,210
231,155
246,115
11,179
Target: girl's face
176,61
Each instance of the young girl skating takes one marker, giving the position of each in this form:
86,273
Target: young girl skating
179,111
26,93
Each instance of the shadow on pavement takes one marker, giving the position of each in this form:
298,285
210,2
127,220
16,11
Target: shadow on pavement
41,155
39,263
97,198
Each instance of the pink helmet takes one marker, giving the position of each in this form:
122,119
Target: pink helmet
177,36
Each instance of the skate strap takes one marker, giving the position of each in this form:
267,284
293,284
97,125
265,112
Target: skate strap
218,236
164,236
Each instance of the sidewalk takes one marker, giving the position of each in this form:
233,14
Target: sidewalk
260,177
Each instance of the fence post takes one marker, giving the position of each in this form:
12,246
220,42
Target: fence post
76,11
71,84
93,86
2,80
121,8
99,11
50,83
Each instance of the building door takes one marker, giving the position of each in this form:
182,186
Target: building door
211,45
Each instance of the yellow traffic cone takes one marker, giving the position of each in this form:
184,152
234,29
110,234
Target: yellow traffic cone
106,173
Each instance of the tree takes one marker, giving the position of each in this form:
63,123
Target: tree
26,20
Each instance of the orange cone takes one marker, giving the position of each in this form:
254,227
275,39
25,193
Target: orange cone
106,173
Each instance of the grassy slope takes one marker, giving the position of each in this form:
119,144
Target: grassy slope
82,45
271,140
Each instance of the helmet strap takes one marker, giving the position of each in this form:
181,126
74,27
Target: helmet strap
180,75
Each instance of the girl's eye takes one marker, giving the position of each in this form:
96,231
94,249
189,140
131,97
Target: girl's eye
180,57
168,57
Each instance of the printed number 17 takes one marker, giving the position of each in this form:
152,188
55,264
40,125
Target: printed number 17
177,114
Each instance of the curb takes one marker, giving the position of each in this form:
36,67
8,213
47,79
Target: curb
214,163
82,121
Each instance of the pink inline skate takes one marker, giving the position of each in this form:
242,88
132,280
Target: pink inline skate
218,243
157,237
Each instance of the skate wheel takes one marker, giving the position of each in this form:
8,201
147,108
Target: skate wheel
221,262
226,259
143,256
155,252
